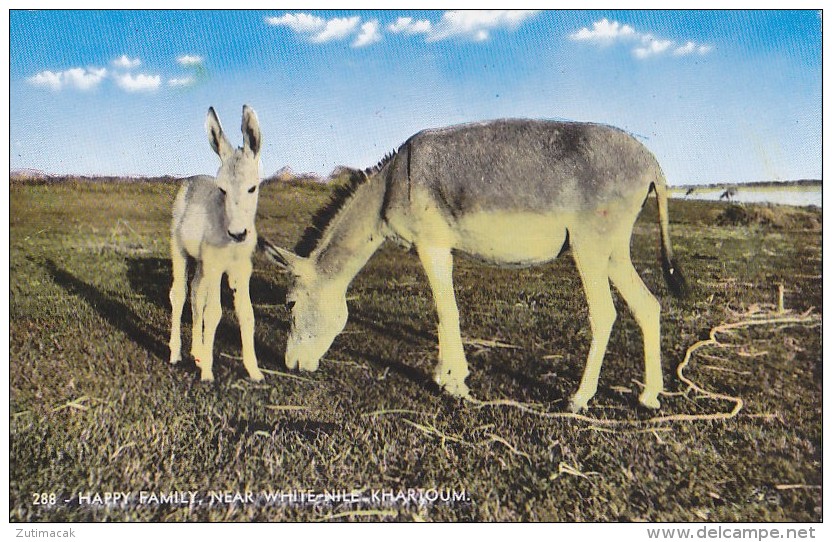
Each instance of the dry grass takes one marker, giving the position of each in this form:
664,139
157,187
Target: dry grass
95,407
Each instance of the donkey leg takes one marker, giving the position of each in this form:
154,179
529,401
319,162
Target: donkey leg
178,291
211,319
592,266
239,278
452,369
197,311
646,310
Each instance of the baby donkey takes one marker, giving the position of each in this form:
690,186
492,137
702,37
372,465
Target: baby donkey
213,223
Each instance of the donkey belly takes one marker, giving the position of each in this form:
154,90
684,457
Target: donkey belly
511,238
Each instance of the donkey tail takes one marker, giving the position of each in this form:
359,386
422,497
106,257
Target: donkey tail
676,282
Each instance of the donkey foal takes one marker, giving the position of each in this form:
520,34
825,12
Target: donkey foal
213,223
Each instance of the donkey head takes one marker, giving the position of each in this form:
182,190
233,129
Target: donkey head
239,175
319,309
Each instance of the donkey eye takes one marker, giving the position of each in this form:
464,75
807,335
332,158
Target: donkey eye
222,191
252,189
290,305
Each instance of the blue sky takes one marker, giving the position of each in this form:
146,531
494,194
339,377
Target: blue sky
718,96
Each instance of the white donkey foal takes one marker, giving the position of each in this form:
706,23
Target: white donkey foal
213,222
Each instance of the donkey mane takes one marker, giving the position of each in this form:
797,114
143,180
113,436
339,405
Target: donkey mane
341,194
381,163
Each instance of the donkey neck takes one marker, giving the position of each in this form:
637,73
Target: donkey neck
353,234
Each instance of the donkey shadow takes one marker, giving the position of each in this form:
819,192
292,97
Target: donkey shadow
112,309
150,278
413,330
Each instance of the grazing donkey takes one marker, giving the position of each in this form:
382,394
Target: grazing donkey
508,192
213,222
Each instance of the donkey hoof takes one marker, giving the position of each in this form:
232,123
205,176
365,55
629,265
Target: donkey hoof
457,389
207,376
650,400
454,386
577,404
175,359
308,365
256,375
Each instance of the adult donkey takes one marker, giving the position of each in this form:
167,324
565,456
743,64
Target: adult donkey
213,223
509,192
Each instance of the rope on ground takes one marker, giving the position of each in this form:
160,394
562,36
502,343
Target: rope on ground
807,319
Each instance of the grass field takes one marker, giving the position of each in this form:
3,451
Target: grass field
96,408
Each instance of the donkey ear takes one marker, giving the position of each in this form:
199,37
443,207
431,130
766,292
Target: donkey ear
216,137
251,130
286,259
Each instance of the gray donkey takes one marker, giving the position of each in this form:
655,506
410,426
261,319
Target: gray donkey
213,223
508,192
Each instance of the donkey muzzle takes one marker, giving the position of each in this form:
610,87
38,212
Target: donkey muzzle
238,237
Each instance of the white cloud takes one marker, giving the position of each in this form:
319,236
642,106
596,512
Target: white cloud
691,47
369,34
126,62
605,32
138,83
336,29
473,25
190,60
320,30
78,78
406,25
477,25
181,81
685,49
299,22
48,79
651,47
84,79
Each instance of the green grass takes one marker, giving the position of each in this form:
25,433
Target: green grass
95,407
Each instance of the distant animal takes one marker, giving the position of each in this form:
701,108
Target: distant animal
507,192
689,191
213,223
729,194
